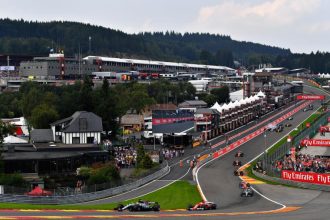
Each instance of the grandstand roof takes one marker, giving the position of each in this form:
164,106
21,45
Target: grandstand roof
154,62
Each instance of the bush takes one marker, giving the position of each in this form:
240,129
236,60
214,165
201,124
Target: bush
12,180
140,156
85,172
147,162
108,173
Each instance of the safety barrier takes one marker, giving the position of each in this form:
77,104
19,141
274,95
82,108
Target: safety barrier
83,197
292,183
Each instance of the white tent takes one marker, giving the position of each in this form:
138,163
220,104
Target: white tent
225,107
237,103
14,140
216,106
261,94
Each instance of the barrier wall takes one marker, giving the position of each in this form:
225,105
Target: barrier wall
293,183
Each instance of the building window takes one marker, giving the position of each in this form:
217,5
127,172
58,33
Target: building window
90,140
75,140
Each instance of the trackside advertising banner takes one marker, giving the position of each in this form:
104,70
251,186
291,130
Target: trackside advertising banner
306,177
315,142
310,97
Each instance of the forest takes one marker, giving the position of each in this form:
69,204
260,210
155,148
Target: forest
19,37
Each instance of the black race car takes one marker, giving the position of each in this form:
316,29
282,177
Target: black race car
248,192
139,206
202,206
237,163
238,173
239,154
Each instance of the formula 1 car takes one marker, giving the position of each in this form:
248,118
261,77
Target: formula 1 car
244,185
237,163
288,125
202,206
139,206
239,154
248,192
238,173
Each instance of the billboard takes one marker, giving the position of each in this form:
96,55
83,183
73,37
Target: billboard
306,177
315,142
310,97
7,68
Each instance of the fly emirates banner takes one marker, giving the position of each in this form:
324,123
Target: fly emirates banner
306,177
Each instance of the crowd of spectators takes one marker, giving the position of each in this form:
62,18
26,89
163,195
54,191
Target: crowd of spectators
125,156
304,163
168,153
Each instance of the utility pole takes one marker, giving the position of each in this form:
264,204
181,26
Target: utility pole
8,66
89,45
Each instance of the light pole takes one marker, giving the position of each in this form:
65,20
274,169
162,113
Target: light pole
154,142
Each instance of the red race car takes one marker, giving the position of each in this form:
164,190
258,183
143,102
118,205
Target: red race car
202,206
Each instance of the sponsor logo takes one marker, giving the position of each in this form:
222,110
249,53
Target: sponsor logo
306,177
310,97
315,142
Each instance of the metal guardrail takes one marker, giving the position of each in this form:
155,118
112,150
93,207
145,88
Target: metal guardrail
83,197
293,183
268,160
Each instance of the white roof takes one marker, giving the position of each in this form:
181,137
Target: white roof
268,69
14,140
237,95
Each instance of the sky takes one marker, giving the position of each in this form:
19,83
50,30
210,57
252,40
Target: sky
300,25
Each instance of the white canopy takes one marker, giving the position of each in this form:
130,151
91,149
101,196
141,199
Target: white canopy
261,94
242,102
225,107
14,140
231,105
216,106
237,103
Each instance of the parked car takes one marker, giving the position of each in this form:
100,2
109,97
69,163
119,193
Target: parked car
290,118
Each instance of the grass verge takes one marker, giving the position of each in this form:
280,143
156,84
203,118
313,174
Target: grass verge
175,196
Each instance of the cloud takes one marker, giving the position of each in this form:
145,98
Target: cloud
272,12
273,22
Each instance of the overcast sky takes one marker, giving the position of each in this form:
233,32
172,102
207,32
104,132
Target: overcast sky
301,25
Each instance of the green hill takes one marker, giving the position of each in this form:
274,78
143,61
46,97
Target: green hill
37,38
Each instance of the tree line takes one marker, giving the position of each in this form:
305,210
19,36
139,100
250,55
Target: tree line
44,104
38,38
